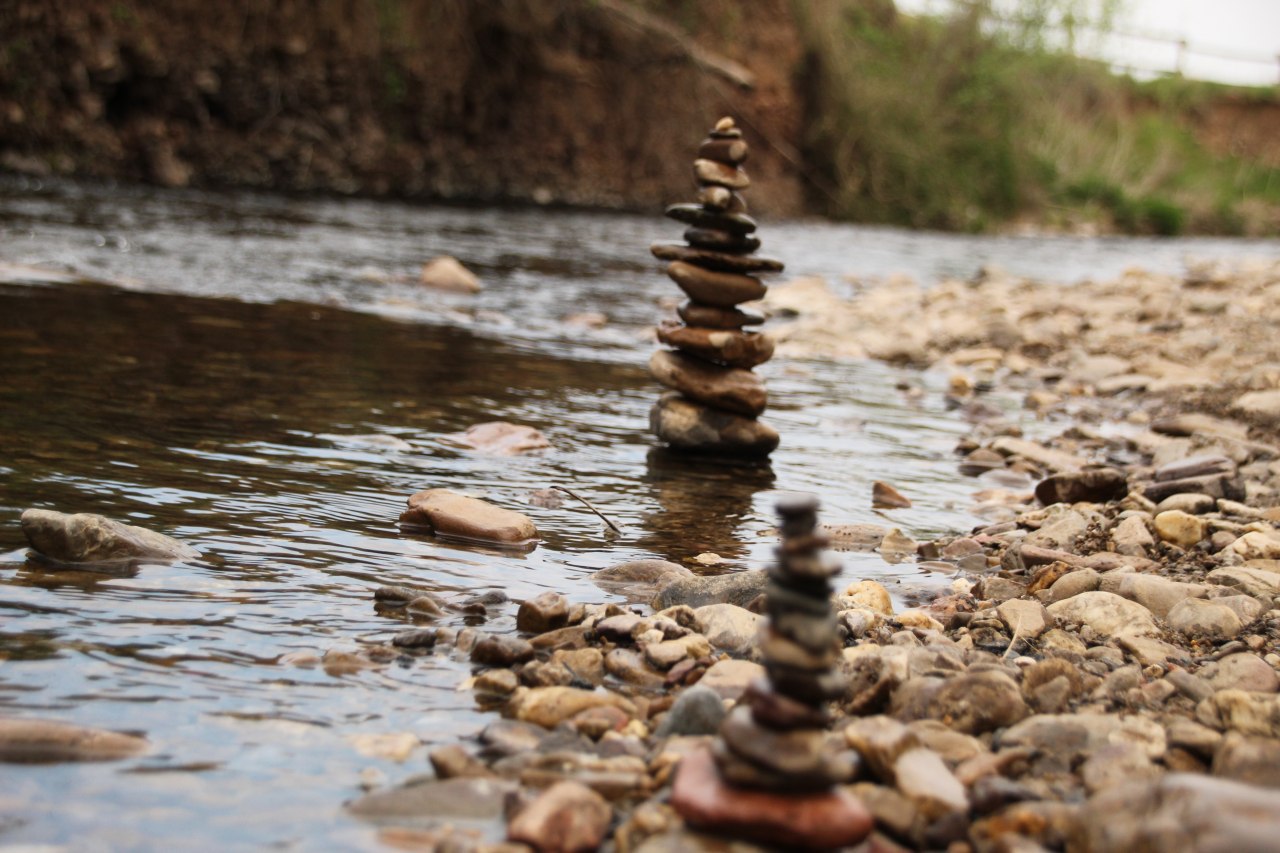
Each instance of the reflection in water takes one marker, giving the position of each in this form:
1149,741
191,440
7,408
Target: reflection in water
703,502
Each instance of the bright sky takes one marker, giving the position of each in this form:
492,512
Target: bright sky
1231,41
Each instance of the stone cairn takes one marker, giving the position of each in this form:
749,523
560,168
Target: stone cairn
716,399
774,770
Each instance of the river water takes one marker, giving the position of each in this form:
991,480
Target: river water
258,381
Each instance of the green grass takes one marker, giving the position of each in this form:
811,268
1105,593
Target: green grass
940,124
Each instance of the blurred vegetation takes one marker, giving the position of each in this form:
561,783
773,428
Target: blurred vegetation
959,123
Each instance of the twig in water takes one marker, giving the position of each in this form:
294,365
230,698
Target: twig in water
571,493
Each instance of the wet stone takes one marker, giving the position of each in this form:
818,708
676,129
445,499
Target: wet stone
710,317
731,348
685,424
498,650
700,217
710,287
721,241
542,613
719,261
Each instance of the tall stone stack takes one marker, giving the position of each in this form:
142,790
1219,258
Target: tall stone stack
774,771
716,399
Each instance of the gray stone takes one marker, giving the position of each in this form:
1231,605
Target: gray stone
88,538
1157,594
1255,760
1241,671
1249,580
697,711
729,626
462,798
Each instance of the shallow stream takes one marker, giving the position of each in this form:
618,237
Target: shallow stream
261,382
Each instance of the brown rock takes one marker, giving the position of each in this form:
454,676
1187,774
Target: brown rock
501,438
823,820
721,289
715,260
88,538
730,151
446,273
710,317
499,650
721,241
40,741
732,348
454,516
544,612
549,706
565,817
720,174
794,752
1095,485
697,215
885,496
1255,760
687,425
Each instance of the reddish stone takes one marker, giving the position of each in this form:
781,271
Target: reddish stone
823,820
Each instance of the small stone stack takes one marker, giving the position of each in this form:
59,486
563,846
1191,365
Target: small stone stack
777,737
716,399
774,772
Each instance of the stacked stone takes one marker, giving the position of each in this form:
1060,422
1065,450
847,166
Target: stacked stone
776,738
774,774
716,399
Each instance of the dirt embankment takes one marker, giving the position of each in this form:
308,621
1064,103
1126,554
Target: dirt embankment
598,104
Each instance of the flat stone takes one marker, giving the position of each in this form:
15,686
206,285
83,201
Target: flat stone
1068,737
740,588
728,389
1179,811
721,199
685,424
730,151
28,741
1249,580
1188,502
1241,671
820,820
730,678
1194,466
921,775
1256,545
720,174
630,667
1027,619
454,516
722,346
798,752
1201,618
771,708
721,241
696,214
1107,613
1095,485
549,706
88,538
886,496
1157,594
1226,485
565,817
729,626
719,289
711,317
500,438
719,261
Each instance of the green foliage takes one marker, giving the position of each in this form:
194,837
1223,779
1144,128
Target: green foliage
961,124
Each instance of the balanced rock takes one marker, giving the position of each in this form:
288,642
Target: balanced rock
710,287
711,317
687,425
732,348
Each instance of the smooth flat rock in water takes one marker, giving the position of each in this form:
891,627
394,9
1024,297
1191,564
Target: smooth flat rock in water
729,389
462,798
721,289
87,538
456,516
713,260
820,820
44,741
501,438
638,580
1180,811
710,317
687,425
731,348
